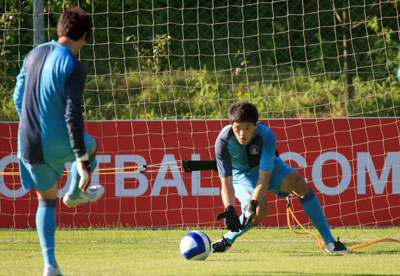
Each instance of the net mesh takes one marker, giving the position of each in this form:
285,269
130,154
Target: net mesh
162,74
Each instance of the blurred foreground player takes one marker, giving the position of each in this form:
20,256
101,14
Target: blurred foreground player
48,97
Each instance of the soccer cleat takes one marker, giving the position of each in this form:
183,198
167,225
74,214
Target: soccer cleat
336,247
52,271
221,245
92,194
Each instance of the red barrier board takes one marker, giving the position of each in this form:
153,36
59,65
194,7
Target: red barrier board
352,164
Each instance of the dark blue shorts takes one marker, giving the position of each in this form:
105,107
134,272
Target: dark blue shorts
42,177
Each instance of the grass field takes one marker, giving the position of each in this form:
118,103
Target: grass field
156,252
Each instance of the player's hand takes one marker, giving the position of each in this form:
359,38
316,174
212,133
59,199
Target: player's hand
232,221
84,171
249,213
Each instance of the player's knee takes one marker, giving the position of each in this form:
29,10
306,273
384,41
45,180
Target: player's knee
50,194
300,186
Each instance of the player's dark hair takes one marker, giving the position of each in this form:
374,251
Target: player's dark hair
240,112
74,23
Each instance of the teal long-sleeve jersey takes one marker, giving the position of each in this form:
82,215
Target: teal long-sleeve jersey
48,97
259,153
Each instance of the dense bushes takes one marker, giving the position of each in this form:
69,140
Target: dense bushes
190,60
205,95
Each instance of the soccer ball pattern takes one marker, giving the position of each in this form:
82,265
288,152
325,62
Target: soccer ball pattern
195,245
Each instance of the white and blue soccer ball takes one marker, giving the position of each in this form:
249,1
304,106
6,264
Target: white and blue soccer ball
195,245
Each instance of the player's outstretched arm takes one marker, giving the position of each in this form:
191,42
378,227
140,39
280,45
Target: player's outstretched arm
232,221
261,189
249,213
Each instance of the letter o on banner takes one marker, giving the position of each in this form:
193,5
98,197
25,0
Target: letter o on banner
4,162
317,173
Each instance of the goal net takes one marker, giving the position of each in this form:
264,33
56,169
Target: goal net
161,76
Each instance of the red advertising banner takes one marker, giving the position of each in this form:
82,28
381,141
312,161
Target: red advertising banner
353,166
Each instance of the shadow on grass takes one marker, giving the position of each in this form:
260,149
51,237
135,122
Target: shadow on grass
376,252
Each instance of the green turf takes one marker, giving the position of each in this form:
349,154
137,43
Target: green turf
156,252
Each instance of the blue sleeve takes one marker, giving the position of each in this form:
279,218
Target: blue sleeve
19,90
223,158
268,151
73,109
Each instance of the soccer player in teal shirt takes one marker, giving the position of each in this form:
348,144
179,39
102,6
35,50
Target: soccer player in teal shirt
248,166
48,97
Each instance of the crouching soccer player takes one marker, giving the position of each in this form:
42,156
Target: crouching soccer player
249,166
48,97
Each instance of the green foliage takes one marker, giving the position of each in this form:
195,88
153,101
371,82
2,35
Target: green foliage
205,95
178,60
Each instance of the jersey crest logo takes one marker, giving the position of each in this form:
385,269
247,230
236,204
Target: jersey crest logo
254,150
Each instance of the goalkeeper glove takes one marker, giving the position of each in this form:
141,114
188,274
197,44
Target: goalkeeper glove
84,171
249,213
232,221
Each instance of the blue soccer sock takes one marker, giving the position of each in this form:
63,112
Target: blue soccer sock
314,211
232,236
46,228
